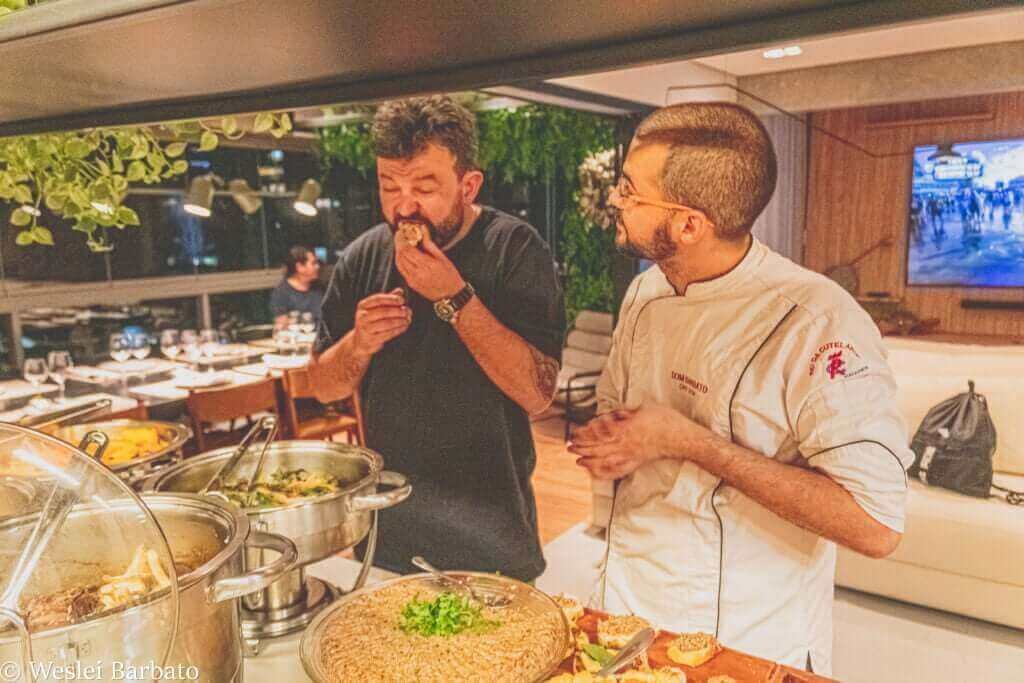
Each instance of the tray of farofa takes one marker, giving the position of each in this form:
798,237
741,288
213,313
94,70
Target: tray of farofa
722,664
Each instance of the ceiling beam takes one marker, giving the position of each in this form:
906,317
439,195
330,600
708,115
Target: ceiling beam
727,26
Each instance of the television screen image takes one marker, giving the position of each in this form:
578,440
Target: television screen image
966,218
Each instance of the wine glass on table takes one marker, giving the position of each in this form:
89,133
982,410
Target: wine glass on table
120,347
141,347
190,346
35,372
58,363
307,328
170,344
209,343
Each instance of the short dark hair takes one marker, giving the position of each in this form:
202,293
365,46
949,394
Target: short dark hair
402,128
721,161
296,255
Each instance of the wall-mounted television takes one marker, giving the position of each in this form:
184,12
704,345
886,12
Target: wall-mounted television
966,216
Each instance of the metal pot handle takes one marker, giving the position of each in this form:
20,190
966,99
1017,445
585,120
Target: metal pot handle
261,577
379,501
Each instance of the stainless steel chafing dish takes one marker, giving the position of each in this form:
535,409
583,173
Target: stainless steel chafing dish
319,527
135,470
89,572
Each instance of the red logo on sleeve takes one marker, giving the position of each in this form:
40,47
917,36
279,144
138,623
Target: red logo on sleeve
835,357
836,365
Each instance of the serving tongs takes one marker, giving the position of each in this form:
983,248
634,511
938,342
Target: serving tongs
62,498
487,598
56,417
213,487
636,646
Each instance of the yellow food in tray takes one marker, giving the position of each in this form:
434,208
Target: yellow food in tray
132,443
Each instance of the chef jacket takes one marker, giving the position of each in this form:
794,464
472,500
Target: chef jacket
779,360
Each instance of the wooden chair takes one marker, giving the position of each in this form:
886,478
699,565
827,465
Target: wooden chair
309,419
211,406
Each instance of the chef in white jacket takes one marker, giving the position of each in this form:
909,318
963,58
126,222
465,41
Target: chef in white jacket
746,411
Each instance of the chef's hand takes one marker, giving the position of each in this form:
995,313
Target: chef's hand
613,445
379,319
428,270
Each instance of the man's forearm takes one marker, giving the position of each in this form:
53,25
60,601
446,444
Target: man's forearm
337,372
515,366
809,499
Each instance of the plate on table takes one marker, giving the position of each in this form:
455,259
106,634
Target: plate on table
278,362
201,380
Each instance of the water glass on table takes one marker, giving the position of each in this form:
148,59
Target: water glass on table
58,363
190,346
120,346
170,344
141,347
35,371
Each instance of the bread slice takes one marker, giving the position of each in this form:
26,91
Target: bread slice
693,649
411,232
571,608
616,631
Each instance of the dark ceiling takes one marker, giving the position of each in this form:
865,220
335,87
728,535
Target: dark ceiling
210,57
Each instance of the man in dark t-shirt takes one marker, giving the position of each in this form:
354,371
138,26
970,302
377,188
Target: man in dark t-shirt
300,289
452,342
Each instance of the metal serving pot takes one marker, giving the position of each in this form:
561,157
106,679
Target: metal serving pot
209,534
320,526
135,470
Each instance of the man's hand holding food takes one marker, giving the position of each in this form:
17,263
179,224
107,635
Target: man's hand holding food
427,269
379,319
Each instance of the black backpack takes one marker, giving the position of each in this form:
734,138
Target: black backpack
954,445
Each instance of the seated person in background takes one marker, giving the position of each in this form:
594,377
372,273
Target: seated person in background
300,288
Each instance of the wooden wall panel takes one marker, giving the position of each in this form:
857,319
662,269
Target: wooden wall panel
857,197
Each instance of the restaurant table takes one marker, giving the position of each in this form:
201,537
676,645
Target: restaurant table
15,393
278,659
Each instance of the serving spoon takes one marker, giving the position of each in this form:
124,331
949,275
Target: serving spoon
636,646
488,598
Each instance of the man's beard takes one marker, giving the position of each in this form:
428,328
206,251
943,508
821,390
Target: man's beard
659,248
442,233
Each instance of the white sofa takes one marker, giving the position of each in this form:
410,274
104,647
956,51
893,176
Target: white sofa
959,554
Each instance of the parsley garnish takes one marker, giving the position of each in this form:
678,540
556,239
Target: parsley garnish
445,615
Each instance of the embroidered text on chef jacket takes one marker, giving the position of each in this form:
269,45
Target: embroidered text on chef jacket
781,361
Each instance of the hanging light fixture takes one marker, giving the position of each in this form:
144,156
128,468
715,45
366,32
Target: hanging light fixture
248,199
305,202
199,198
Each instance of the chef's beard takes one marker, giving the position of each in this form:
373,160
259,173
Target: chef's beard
658,248
442,233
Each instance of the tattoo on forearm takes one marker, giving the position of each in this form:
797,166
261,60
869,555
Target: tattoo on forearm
545,373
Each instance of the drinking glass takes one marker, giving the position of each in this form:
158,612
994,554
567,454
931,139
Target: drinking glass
307,328
190,346
35,371
141,347
58,363
209,341
120,346
170,343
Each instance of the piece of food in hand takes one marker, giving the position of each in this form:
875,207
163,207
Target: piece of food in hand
571,608
411,232
616,631
693,649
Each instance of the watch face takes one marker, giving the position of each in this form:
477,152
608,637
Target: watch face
444,309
